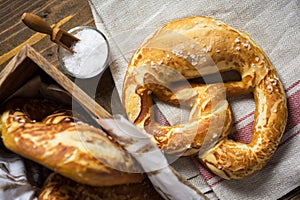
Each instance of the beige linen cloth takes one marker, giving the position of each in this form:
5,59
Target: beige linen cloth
274,25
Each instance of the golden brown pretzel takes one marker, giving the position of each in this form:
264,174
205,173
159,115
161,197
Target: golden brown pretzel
74,149
195,47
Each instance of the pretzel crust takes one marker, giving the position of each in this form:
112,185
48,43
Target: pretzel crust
194,47
72,148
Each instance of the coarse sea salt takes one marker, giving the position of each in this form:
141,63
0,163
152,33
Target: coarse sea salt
91,55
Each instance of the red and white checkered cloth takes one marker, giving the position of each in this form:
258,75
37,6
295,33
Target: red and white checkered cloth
274,25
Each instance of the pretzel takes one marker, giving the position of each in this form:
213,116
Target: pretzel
194,47
70,147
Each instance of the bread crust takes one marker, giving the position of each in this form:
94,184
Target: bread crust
72,148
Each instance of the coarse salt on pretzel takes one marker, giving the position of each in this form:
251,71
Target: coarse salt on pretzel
194,47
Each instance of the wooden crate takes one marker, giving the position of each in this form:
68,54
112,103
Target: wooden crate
29,63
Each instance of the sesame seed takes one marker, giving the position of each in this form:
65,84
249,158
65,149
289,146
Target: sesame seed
273,81
218,51
257,59
154,67
16,118
267,82
246,45
22,121
178,53
208,49
238,48
270,89
193,59
109,137
194,63
237,40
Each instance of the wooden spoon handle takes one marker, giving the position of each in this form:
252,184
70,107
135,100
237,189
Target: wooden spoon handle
36,23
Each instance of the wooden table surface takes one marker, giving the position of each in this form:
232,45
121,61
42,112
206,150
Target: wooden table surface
68,14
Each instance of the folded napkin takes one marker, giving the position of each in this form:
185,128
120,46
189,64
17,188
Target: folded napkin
274,25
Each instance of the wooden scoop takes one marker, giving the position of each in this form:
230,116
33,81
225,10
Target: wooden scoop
59,36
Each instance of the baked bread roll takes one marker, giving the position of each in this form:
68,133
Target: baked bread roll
72,148
58,187
194,47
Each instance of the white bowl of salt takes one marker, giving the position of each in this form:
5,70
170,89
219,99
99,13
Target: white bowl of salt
91,53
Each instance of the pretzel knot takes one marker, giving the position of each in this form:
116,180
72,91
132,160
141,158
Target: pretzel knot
195,47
